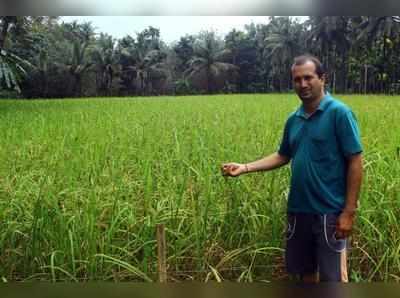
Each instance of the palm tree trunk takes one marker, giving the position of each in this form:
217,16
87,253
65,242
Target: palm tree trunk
208,80
345,72
384,69
44,84
4,30
77,86
98,84
365,78
334,70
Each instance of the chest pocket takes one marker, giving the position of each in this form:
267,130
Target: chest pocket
319,149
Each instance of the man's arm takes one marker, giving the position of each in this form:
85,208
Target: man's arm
354,178
273,161
270,162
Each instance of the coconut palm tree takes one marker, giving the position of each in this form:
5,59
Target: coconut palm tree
329,38
103,56
149,67
209,62
77,65
183,51
281,45
143,66
381,32
244,51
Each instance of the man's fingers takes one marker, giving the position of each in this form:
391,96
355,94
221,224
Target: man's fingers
341,234
226,169
344,226
230,169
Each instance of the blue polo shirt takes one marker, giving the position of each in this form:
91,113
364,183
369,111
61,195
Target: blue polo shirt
318,147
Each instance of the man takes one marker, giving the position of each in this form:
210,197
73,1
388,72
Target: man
321,139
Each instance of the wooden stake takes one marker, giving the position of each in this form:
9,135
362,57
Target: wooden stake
162,253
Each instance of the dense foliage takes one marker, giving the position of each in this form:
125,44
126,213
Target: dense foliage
44,57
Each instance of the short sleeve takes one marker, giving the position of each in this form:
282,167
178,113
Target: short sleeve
348,133
284,148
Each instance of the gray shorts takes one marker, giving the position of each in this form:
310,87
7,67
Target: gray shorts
311,247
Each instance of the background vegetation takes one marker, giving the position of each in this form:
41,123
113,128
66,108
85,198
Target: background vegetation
44,57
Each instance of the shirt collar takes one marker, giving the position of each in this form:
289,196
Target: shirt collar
321,107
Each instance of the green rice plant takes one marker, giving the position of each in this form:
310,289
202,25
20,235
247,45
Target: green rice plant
84,182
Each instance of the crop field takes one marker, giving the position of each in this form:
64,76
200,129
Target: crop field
84,182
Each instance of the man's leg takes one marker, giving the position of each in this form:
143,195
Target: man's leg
300,254
332,261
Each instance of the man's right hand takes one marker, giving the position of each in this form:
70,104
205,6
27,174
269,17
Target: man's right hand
233,169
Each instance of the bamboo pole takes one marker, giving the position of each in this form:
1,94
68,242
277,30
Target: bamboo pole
162,254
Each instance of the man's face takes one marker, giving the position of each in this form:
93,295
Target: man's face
307,84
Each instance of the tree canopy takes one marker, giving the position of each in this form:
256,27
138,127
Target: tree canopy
44,57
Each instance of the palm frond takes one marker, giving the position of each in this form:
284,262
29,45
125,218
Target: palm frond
11,68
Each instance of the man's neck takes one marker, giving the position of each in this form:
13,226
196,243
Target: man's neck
311,106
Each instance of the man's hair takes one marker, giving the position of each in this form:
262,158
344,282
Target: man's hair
300,60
